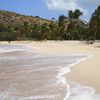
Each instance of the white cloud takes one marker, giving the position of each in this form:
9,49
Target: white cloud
64,5
86,6
88,2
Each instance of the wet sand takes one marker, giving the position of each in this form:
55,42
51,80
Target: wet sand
29,75
86,72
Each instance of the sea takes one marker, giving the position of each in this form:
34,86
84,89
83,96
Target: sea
28,75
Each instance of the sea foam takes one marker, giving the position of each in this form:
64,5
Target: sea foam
79,92
10,48
73,91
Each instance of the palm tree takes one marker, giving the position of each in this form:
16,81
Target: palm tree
74,14
77,13
62,26
70,14
94,25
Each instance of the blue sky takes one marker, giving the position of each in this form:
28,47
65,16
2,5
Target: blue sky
49,8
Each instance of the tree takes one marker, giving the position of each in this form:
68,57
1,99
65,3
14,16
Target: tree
77,13
70,14
94,25
6,36
74,14
36,32
73,28
45,31
62,26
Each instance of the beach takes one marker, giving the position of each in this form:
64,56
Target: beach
84,70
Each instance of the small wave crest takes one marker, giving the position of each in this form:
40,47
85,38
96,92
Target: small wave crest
57,66
7,96
10,48
79,92
65,70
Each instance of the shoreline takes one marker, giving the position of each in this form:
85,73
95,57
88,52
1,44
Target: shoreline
86,72
63,75
85,78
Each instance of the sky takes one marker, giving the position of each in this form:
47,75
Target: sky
50,8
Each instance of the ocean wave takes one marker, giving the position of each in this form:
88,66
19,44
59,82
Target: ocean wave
11,48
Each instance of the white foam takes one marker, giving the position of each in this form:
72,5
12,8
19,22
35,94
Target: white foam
79,92
65,70
37,97
76,92
11,48
7,96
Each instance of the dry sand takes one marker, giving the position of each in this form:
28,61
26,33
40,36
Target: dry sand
86,72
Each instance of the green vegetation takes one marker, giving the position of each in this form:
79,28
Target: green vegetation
75,14
94,25
20,27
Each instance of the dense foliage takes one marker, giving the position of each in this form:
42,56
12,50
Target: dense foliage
94,25
65,28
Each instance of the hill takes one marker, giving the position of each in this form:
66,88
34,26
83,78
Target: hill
15,26
13,18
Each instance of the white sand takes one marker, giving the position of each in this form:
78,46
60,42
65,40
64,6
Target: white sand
86,72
